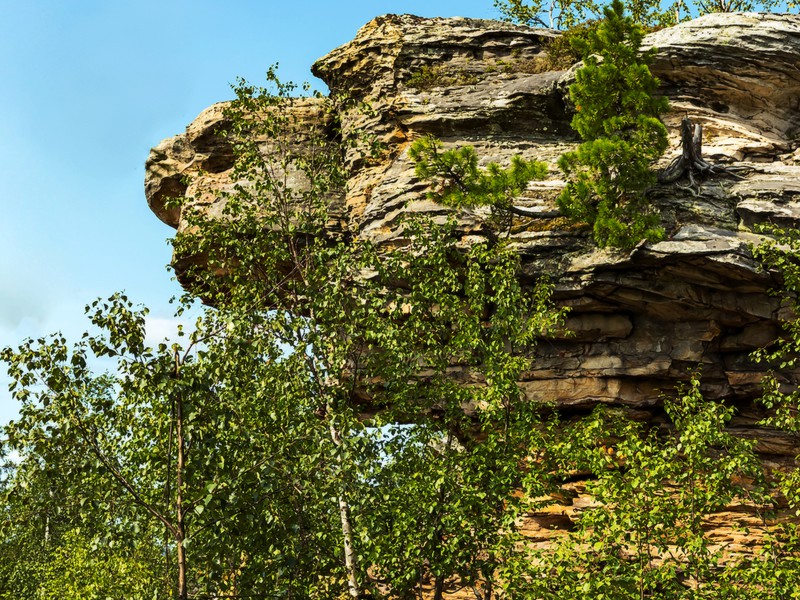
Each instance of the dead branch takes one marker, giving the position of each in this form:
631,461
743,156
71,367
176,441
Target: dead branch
691,160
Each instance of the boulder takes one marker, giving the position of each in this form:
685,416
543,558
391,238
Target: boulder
642,319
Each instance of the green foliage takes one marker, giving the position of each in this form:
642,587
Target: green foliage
773,571
78,570
569,14
123,433
388,327
348,420
645,537
447,496
566,14
461,183
617,117
715,6
244,447
562,51
781,255
63,533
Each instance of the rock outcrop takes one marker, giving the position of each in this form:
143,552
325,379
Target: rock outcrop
642,319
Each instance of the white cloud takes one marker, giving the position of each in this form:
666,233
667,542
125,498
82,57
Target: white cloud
69,319
160,329
21,298
34,321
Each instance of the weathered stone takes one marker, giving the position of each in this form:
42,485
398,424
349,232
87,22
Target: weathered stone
176,159
737,74
197,165
642,320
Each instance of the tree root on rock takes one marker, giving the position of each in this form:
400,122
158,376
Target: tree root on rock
691,160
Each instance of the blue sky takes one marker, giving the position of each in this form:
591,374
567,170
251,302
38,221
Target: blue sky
86,88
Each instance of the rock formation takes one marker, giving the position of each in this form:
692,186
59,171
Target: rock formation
642,319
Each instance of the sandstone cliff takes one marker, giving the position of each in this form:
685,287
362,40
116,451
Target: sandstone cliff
641,319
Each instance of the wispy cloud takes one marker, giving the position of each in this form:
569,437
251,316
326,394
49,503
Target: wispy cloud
165,330
23,296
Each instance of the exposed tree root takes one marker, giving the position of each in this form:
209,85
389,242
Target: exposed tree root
691,160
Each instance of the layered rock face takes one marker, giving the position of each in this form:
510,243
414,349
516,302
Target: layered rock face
641,319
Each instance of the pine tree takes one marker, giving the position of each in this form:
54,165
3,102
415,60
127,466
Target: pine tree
618,118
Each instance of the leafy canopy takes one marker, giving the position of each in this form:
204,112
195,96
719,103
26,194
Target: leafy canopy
254,455
349,420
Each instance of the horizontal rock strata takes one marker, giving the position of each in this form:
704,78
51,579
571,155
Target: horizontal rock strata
642,319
